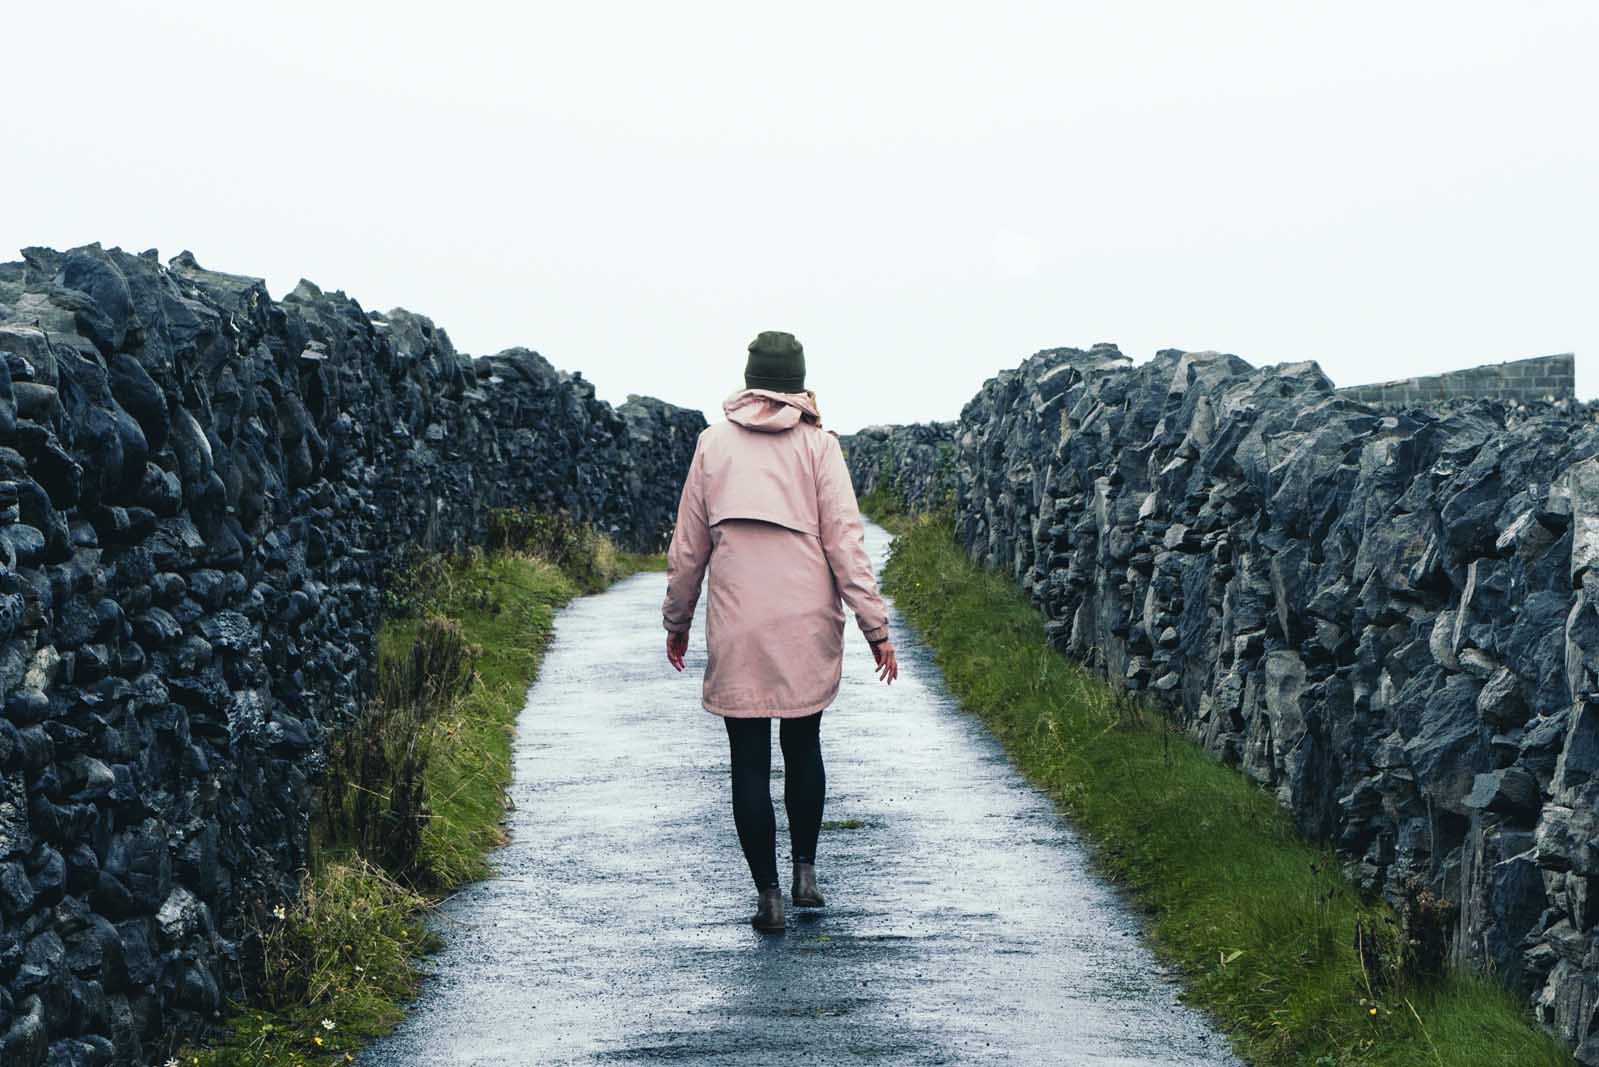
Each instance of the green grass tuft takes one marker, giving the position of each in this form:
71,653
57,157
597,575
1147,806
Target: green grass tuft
505,603
885,506
342,953
1260,922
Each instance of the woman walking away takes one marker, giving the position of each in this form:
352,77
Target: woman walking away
768,498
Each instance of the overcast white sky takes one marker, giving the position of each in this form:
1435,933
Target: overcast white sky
922,194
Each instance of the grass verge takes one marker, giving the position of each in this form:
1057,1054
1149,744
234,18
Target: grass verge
427,765
1261,923
886,508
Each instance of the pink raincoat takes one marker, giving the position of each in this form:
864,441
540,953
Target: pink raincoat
769,508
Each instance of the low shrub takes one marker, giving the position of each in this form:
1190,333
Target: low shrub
584,554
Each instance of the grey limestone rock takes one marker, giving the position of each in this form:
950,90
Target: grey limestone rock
203,492
1387,615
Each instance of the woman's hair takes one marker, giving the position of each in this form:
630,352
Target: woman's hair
812,394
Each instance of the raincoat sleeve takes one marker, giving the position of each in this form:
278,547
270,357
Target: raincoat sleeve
844,541
688,553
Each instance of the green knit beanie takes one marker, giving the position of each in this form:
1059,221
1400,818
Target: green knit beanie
777,362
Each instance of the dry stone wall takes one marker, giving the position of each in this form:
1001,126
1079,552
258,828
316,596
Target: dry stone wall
201,492
915,463
1390,619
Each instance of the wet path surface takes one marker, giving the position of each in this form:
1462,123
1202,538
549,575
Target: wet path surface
963,923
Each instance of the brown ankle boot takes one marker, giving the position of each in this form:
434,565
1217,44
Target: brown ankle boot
769,914
804,892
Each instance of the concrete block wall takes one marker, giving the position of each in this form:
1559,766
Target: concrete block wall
1541,378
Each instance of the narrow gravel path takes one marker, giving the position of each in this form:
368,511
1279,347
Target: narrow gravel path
963,925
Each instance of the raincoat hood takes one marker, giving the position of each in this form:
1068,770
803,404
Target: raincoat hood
769,412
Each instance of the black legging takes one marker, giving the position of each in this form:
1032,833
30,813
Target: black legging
804,784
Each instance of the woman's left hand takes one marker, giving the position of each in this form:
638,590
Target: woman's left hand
676,648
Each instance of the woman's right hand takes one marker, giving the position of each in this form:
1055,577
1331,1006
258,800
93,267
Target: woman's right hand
676,648
887,665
